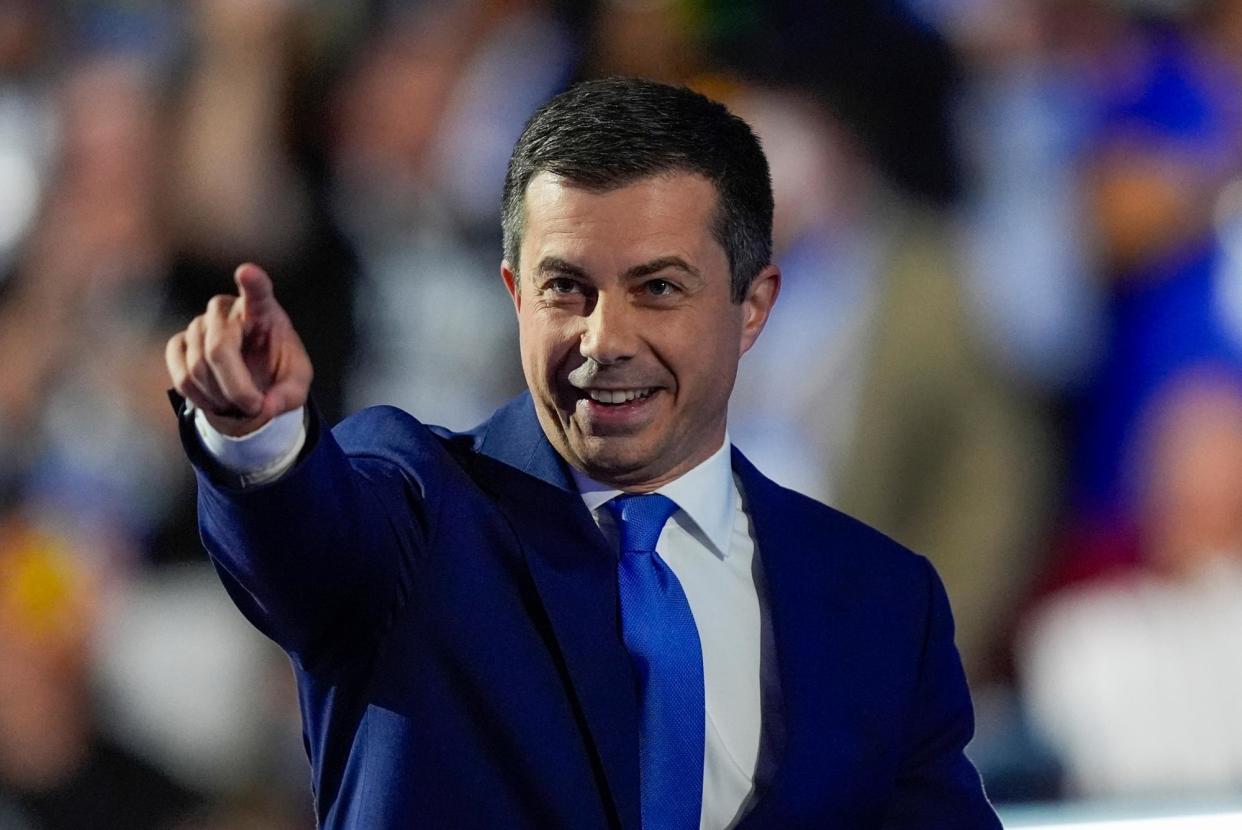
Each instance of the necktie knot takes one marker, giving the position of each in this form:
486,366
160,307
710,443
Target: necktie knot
640,518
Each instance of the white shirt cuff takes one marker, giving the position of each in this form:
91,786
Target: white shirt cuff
260,456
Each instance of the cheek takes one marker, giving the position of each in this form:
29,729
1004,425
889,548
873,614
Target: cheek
532,350
715,358
714,346
544,343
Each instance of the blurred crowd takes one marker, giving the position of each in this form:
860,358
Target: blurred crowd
1010,336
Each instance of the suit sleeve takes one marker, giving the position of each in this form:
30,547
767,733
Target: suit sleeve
937,785
318,559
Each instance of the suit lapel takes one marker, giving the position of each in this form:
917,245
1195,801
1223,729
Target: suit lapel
812,610
575,574
808,604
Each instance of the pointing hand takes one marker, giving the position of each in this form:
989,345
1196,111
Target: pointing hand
241,361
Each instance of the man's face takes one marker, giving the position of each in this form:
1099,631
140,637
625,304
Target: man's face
630,341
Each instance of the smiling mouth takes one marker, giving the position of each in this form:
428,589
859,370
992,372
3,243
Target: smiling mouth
618,397
615,411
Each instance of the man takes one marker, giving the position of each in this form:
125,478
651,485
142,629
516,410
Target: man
471,649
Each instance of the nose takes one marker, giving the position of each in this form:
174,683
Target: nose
611,334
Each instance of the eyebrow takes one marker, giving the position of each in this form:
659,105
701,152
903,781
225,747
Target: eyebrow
556,265
655,266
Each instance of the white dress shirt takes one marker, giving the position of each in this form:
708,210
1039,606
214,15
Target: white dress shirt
708,543
710,548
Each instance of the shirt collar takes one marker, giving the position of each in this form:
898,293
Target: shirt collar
705,495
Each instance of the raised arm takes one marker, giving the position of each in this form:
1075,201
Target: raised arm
318,548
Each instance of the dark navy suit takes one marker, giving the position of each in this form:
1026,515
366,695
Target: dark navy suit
451,611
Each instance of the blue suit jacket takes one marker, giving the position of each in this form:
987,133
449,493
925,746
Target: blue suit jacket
451,612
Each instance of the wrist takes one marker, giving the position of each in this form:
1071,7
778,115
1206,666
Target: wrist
236,427
259,456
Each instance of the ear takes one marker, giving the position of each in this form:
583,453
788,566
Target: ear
757,305
512,284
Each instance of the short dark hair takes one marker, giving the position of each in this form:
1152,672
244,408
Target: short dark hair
608,133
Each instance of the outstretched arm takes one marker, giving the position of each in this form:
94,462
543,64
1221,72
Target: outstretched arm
316,550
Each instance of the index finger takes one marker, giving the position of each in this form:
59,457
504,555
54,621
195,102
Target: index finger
255,287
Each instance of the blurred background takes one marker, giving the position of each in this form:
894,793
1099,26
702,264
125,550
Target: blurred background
1010,336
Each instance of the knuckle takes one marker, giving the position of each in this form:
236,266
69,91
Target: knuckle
215,349
219,303
199,371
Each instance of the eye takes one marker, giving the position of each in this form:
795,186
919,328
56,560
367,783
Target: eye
563,285
660,288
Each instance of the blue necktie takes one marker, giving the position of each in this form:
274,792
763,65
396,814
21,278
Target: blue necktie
663,643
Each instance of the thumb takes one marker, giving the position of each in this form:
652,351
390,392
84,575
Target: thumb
258,299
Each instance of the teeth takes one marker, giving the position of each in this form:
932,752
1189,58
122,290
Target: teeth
617,395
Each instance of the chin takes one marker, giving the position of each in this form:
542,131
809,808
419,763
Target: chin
612,464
